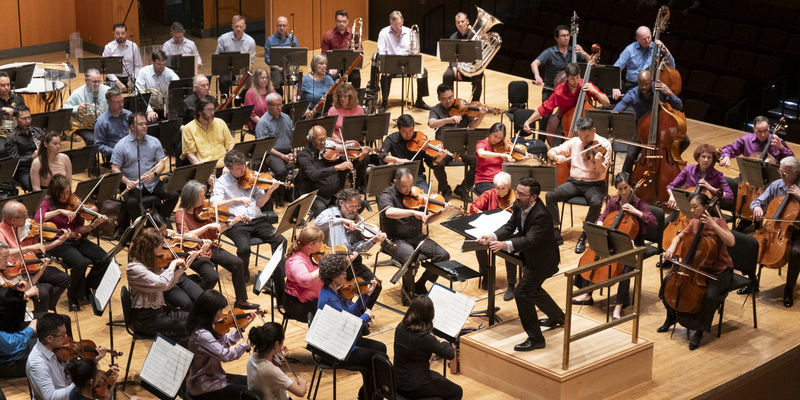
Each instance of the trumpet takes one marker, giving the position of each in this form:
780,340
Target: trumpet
356,44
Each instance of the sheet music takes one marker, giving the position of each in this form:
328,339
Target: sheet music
166,365
264,276
107,285
486,224
334,332
451,309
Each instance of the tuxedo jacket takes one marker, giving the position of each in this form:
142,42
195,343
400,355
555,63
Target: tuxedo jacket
534,239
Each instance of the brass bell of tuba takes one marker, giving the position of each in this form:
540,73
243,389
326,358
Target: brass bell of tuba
491,42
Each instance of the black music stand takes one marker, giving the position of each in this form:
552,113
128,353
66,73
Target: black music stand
460,50
20,76
544,174
605,77
57,121
178,90
756,172
295,212
30,200
365,128
301,129
254,149
182,65
81,158
181,175
169,134
236,117
405,66
296,110
682,198
139,101
381,176
344,58
106,65
8,168
105,190
463,141
288,57
615,125
229,64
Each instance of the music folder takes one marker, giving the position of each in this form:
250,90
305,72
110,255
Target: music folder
334,332
263,276
451,309
165,366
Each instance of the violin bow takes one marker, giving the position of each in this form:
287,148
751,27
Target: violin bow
80,206
427,198
255,181
22,257
347,159
363,220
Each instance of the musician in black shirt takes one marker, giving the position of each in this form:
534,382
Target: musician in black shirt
464,31
24,143
395,149
318,173
8,100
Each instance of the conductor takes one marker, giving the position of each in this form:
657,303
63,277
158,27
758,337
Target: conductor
530,233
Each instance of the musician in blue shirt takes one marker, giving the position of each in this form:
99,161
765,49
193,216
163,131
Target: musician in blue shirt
281,38
638,56
112,125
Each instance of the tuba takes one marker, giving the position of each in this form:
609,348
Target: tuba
413,44
358,26
491,43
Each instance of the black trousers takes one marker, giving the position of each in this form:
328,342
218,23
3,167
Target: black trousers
164,320
716,292
52,285
361,359
529,294
237,384
593,192
623,289
793,269
483,186
209,277
422,86
449,79
437,386
441,174
77,255
241,233
183,295
430,249
23,177
298,310
165,208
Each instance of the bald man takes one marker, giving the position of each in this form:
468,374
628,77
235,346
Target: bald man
280,38
638,56
317,173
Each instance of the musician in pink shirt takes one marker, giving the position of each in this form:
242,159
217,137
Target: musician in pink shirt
302,275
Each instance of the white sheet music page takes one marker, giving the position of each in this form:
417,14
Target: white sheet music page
264,276
107,285
334,332
486,224
166,366
451,309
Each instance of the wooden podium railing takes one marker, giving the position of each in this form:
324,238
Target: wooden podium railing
638,253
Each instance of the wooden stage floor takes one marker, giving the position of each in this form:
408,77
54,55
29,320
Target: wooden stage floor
678,372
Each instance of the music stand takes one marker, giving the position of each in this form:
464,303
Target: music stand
254,149
30,200
460,50
405,66
756,172
606,242
236,117
605,77
139,101
106,65
8,168
381,176
20,76
287,57
682,201
169,134
365,128
58,120
544,174
296,110
412,259
344,58
105,190
463,141
183,65
301,129
229,64
81,158
181,175
178,90
295,212
615,124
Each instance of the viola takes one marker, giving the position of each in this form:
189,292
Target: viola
352,287
263,180
462,108
104,383
84,348
417,199
593,148
208,212
47,230
369,231
236,318
190,240
325,250
88,212
17,266
506,202
620,221
335,150
775,235
169,254
431,147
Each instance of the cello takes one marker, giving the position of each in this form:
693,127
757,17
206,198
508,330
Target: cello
662,129
675,227
685,287
620,221
746,192
669,75
775,235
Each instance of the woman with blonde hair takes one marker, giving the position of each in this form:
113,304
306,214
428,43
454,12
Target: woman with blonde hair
302,275
345,104
260,87
316,83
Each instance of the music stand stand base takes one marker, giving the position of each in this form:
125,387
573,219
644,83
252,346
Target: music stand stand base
485,313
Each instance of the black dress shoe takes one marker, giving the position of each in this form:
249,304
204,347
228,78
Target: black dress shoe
484,284
588,302
529,345
74,307
461,193
421,104
666,325
694,342
788,300
580,247
551,323
246,305
509,294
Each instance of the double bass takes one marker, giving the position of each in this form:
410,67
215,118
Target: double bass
620,221
746,192
663,129
685,287
669,75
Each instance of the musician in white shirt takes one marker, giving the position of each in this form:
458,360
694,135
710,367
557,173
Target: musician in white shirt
156,76
131,58
179,45
395,39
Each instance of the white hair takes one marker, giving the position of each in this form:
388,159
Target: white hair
792,163
273,97
502,179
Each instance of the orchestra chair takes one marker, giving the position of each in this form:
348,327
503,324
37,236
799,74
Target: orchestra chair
383,380
251,394
323,362
654,236
574,201
517,98
744,254
468,80
535,146
731,206
125,297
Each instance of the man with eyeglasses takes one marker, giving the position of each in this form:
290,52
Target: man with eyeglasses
92,97
752,144
555,59
789,171
280,38
24,143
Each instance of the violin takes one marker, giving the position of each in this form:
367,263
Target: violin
104,383
17,266
236,318
506,202
169,254
84,348
517,151
462,108
591,149
208,212
263,180
369,231
88,212
349,290
417,199
47,230
335,150
432,147
324,250
190,240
